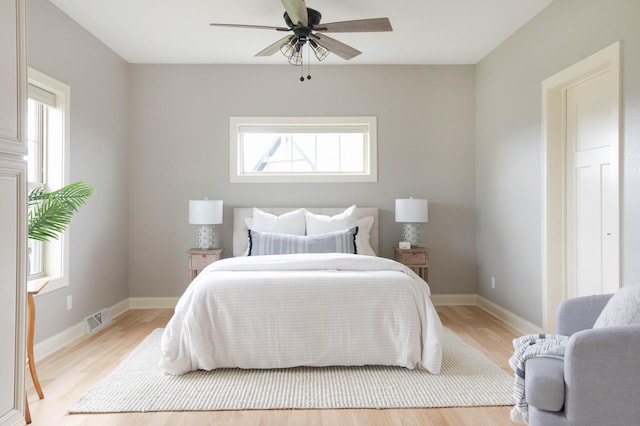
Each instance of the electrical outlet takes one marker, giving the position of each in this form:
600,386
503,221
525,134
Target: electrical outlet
69,302
493,283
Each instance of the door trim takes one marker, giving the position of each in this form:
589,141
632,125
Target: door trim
554,217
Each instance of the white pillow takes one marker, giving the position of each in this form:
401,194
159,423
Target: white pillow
622,309
363,245
292,223
320,224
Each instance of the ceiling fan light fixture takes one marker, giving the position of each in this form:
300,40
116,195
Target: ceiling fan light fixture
319,50
304,26
288,46
296,57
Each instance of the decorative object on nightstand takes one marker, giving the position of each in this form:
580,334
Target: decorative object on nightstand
200,259
412,212
417,258
205,213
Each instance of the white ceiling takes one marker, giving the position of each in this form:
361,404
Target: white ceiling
178,31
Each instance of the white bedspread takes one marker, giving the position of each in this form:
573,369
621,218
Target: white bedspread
303,310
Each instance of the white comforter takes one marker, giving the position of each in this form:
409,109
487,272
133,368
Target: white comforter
303,310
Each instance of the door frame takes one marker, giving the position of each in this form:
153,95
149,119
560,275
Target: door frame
554,160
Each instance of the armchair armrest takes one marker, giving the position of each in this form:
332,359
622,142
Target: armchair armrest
601,371
544,385
580,313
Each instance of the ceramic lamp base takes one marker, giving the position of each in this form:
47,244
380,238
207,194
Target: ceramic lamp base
411,233
206,237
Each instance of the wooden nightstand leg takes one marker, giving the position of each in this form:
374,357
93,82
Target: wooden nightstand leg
424,273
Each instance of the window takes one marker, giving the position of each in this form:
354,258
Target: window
36,134
48,166
303,149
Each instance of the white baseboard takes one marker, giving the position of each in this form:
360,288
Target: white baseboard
119,308
153,302
58,341
74,333
512,320
454,299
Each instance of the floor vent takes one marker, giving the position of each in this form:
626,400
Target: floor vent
98,320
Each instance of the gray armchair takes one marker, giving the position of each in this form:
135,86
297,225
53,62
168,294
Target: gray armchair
598,383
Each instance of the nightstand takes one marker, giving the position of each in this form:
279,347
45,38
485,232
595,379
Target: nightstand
417,258
199,259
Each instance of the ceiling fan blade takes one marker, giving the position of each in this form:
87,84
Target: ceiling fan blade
257,27
337,47
273,48
297,11
357,26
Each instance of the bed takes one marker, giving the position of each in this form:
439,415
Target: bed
312,309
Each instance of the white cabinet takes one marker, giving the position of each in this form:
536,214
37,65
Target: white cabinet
12,76
13,215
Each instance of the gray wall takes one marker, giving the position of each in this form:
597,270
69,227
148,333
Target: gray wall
467,138
179,150
508,132
98,272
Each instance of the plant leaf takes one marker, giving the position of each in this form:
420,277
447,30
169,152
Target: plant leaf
50,213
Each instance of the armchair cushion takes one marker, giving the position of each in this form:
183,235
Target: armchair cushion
544,386
622,309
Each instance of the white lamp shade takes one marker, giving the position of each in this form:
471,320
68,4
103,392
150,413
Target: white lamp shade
205,212
412,210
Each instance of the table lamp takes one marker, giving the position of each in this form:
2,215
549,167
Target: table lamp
412,212
205,213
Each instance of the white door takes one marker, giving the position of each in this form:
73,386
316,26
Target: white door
580,240
592,187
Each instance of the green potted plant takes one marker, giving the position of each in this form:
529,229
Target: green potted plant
50,212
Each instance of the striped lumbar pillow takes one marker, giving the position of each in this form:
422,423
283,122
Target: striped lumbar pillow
265,243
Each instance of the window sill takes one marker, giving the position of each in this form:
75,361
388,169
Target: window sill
55,283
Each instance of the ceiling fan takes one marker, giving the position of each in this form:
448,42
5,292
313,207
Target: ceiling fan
304,23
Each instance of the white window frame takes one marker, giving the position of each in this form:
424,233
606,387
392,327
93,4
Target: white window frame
235,158
36,248
56,172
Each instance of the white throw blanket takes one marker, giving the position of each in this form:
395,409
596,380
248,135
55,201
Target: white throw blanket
303,310
526,347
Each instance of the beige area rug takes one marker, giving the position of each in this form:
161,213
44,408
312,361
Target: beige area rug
468,378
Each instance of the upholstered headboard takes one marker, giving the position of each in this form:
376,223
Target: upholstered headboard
241,213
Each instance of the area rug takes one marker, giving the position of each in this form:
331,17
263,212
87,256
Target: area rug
468,378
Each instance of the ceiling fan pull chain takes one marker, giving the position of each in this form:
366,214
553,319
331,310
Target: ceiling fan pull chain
308,62
301,69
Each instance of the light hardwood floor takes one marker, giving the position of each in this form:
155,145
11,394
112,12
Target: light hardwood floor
68,373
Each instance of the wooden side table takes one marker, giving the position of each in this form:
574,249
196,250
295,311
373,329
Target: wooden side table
33,287
200,259
417,257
